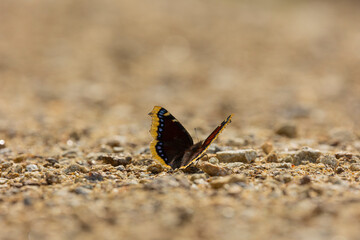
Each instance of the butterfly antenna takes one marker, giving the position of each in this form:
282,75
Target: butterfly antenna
196,135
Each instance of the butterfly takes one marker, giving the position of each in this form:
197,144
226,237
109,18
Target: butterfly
172,145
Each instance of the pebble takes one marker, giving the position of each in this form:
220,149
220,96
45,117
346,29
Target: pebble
196,176
219,182
6,165
118,149
120,168
284,165
95,176
343,155
155,168
81,191
31,168
116,141
212,169
75,168
71,154
267,147
272,157
328,160
305,180
214,160
245,156
52,161
306,154
18,169
339,170
51,178
166,182
19,159
2,144
287,159
213,149
287,178
287,130
234,164
355,167
115,161
3,180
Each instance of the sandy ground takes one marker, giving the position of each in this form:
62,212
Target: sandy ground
78,78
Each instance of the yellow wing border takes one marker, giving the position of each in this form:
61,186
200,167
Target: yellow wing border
154,133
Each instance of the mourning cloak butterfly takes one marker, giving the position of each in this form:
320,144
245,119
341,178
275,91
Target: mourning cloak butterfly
172,145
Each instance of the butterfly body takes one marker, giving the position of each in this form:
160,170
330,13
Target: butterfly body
172,145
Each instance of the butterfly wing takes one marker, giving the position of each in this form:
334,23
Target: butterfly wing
170,138
198,150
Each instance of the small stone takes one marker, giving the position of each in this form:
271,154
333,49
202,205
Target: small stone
12,175
118,149
345,155
116,141
32,182
328,160
28,201
95,176
214,160
2,144
18,169
196,176
272,157
287,130
75,168
287,178
81,191
155,168
3,180
162,182
19,159
287,159
284,165
339,170
51,178
31,168
219,182
115,161
335,180
212,169
238,178
305,180
213,149
306,154
245,156
52,161
267,147
120,168
234,164
355,167
6,165
71,154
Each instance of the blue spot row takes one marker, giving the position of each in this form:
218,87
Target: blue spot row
162,112
160,151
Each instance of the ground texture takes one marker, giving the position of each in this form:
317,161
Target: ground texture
78,78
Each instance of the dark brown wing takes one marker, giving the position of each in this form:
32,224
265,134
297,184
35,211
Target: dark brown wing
198,150
170,138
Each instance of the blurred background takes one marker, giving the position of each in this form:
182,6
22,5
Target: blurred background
74,74
103,65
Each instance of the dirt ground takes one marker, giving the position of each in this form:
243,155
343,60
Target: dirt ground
78,78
